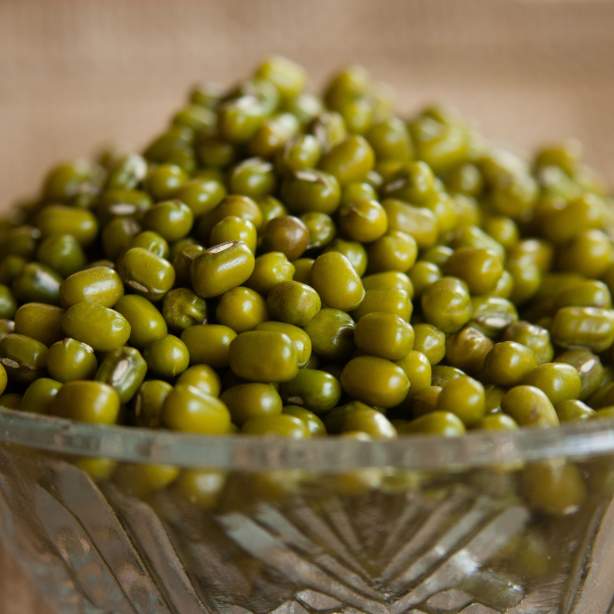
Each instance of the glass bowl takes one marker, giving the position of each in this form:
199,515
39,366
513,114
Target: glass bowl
112,519
116,519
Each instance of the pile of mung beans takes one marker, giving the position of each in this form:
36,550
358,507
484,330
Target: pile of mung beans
278,263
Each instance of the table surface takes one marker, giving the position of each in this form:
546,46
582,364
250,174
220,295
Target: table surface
16,595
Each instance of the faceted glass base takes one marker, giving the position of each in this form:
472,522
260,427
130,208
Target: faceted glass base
538,538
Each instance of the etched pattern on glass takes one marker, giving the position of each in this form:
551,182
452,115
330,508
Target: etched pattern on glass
94,549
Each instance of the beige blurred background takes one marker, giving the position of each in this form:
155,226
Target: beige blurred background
75,74
78,74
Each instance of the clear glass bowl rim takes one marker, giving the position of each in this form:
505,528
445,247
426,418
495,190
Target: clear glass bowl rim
328,454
